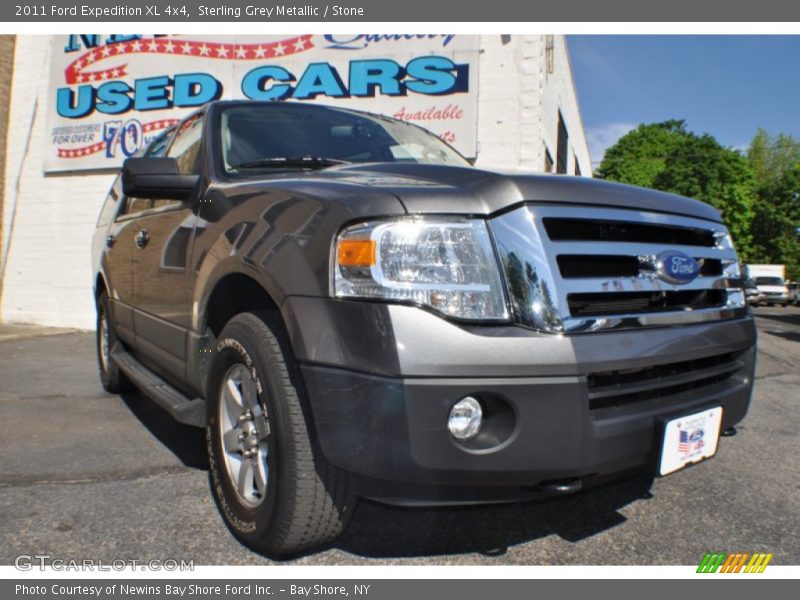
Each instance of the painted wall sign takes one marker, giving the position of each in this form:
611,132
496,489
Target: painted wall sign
110,94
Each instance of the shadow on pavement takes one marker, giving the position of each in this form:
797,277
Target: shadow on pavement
792,336
185,442
790,318
378,531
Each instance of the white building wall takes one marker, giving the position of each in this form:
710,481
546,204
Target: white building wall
499,102
519,101
49,220
558,93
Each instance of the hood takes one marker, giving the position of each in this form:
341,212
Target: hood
467,190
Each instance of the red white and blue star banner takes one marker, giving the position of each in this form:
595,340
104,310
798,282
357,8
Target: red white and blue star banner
111,94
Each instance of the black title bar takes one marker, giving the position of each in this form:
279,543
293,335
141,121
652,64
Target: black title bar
387,11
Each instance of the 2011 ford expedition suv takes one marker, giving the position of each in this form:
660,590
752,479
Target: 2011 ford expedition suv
351,310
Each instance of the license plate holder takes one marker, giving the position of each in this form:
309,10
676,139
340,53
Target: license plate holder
689,439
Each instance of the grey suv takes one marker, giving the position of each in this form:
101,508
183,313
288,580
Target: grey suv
350,309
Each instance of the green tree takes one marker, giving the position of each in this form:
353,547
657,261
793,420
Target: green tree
702,169
666,156
772,157
641,155
776,222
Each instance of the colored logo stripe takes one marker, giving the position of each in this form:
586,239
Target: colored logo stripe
759,561
711,562
734,563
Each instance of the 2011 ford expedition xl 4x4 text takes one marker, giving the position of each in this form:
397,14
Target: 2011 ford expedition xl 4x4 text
351,310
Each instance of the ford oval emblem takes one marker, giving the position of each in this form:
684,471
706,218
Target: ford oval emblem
676,267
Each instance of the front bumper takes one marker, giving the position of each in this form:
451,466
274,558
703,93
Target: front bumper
772,298
380,396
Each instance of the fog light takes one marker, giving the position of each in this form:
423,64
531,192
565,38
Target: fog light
466,418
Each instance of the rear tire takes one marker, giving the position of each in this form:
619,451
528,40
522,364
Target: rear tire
274,489
112,379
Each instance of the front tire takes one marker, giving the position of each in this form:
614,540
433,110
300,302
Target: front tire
269,480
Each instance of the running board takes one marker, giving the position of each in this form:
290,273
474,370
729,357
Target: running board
180,407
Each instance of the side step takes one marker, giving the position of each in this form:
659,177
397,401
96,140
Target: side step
180,407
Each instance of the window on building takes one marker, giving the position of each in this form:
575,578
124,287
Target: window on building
563,145
548,161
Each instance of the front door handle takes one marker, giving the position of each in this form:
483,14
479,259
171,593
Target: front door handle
142,238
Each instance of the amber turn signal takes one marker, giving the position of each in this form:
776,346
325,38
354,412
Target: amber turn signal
356,253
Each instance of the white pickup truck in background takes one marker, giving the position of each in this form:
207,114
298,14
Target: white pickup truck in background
770,280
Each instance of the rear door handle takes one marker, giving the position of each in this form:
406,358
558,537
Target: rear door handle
142,238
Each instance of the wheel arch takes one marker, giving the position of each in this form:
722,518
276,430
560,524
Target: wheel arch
233,294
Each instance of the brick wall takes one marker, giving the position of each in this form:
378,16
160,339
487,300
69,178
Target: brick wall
6,71
48,279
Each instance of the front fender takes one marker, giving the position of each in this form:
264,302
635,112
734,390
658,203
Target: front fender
279,236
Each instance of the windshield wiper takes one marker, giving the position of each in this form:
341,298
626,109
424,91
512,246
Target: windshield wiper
303,162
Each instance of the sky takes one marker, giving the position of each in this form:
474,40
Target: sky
727,86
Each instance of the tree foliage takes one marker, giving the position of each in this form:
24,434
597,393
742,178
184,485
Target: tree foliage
758,194
666,156
776,223
641,155
772,157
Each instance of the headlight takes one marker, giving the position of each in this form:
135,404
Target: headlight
447,265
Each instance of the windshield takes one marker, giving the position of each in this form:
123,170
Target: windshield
769,281
278,135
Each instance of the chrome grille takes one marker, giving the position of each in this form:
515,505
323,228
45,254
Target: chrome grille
575,229
637,302
573,266
578,268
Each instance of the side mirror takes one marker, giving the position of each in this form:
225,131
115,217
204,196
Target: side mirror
156,178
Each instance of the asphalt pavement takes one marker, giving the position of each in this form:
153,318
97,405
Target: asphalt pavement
85,474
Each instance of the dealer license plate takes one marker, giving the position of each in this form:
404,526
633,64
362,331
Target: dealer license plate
690,439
